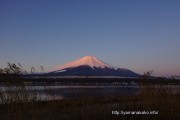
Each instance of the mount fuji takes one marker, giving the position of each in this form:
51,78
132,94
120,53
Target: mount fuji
91,66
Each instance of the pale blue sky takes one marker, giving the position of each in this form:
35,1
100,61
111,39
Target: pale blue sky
139,35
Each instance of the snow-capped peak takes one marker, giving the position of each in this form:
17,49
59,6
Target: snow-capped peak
90,61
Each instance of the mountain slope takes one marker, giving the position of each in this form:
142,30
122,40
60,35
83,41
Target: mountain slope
91,66
90,61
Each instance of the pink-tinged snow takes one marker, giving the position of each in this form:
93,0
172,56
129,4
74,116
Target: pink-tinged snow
88,61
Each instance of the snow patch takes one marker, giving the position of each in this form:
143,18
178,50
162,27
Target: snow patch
59,71
90,61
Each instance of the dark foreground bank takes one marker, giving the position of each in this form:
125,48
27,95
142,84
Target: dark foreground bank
150,104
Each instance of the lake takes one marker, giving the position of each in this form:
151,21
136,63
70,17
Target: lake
77,91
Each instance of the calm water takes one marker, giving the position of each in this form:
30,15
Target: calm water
60,92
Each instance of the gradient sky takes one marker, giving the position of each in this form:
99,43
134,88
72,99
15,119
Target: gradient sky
140,35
